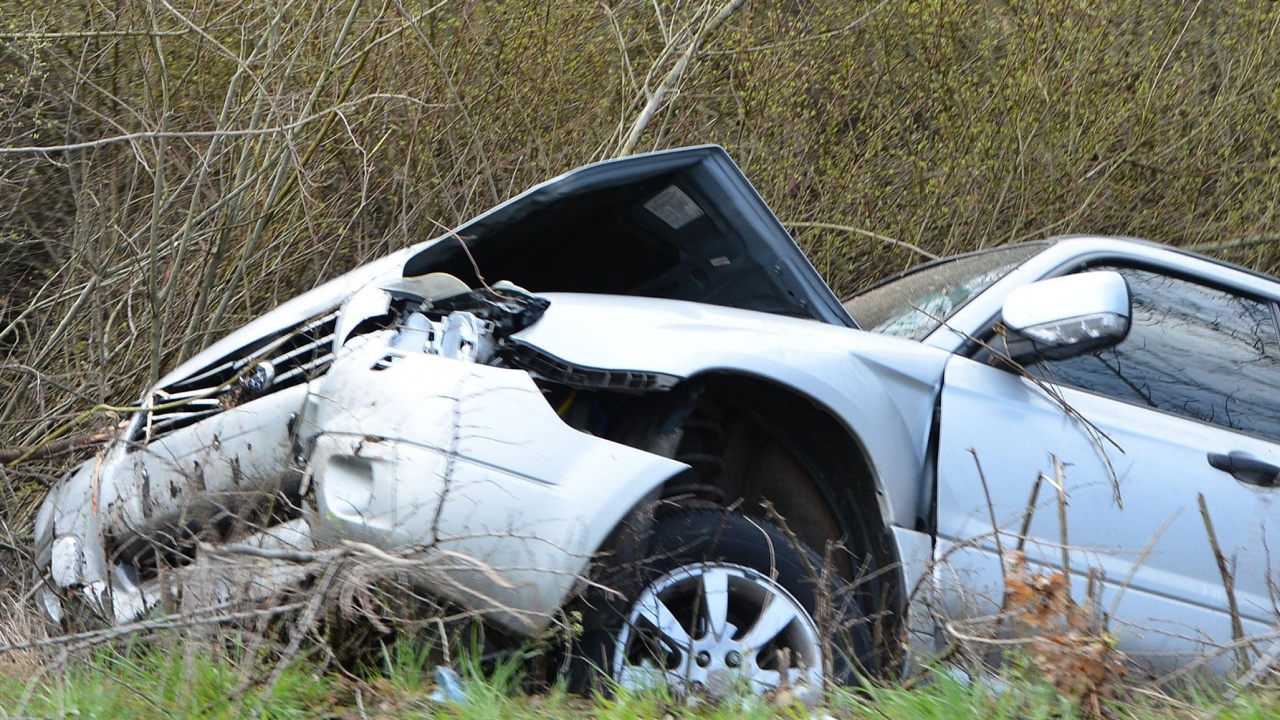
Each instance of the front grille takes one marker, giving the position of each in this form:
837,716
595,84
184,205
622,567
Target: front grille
289,357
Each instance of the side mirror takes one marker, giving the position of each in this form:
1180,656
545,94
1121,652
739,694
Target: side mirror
1066,316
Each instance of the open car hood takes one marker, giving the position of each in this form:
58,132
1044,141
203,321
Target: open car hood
682,224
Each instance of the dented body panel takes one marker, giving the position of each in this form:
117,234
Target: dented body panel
474,464
882,389
190,476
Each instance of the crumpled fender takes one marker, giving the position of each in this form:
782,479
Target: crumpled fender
468,467
882,388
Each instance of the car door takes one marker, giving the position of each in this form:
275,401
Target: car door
1152,441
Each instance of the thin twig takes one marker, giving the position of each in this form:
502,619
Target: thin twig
91,34
1141,558
991,511
807,38
1234,244
207,616
303,627
865,233
1060,484
475,266
49,449
454,90
224,133
1260,668
1228,583
792,538
1030,512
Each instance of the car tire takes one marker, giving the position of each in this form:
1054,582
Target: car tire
716,603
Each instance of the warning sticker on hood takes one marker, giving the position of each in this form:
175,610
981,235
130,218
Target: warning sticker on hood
674,207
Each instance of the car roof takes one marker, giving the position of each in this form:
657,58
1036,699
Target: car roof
1078,245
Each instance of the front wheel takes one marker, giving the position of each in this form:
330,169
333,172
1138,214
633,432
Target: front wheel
719,603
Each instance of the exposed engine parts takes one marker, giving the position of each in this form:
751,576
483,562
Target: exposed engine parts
447,319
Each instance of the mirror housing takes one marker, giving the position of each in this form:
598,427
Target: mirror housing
1066,316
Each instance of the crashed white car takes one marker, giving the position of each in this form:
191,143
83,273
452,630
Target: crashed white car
631,373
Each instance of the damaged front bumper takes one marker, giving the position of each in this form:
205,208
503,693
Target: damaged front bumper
462,467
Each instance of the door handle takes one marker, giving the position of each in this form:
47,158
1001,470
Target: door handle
1246,468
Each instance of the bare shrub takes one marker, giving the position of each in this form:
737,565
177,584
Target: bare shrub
169,171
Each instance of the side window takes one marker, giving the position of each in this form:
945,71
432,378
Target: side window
1192,350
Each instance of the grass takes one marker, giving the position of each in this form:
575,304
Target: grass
168,678
153,681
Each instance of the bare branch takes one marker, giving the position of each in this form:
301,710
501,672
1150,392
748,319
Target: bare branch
865,233
806,39
673,77
89,35
49,449
224,133
1235,244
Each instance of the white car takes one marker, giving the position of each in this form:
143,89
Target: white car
662,395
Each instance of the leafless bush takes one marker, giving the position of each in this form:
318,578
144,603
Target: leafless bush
170,171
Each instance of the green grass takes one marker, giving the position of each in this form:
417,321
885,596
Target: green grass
175,680
153,681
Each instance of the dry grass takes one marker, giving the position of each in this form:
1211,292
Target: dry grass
22,624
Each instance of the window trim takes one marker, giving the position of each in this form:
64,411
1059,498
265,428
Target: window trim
977,341
976,345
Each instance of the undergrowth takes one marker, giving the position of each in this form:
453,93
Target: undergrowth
161,680
164,678
168,172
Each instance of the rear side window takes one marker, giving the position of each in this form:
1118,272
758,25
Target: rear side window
1193,350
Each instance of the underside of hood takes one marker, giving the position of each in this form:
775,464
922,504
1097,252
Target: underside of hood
682,224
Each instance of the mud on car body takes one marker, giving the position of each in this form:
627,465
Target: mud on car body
662,394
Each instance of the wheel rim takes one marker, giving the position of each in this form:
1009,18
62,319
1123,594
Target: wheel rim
717,628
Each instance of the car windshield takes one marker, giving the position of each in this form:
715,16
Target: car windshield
915,303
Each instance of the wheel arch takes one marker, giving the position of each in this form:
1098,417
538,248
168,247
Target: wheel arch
796,462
